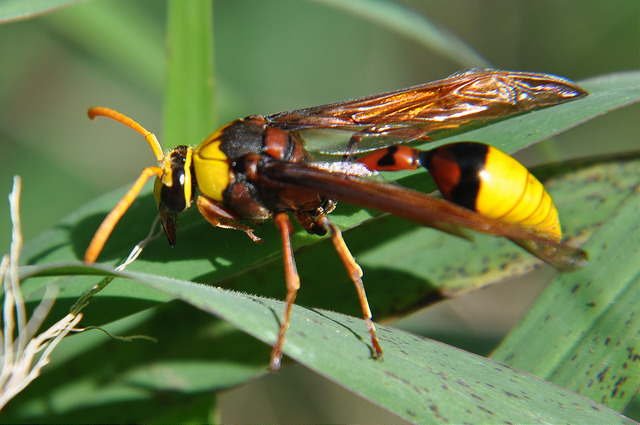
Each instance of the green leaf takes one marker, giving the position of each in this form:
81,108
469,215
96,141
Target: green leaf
189,88
420,380
11,10
93,375
589,319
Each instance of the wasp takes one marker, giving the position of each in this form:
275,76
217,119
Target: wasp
267,168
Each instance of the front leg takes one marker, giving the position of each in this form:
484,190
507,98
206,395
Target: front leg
222,217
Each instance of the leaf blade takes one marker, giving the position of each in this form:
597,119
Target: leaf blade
420,380
190,81
12,10
582,313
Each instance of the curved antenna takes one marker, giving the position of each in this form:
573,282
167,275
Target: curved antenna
109,223
121,118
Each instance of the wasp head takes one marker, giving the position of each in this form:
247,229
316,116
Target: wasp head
174,190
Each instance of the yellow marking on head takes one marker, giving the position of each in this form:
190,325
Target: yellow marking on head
167,172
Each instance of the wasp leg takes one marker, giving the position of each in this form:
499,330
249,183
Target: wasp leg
222,217
355,273
110,221
293,284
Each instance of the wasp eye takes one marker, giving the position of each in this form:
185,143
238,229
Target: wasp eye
171,202
172,198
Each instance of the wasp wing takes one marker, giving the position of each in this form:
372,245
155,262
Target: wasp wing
419,208
416,112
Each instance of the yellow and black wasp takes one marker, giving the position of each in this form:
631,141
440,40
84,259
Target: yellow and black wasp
260,168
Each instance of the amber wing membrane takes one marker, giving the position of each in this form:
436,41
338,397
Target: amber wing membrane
415,112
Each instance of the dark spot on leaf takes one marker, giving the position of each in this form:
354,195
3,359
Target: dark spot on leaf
621,380
602,374
485,410
477,397
461,382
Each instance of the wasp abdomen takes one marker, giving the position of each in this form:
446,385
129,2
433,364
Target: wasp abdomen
486,180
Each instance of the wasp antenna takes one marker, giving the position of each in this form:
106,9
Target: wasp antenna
121,118
110,221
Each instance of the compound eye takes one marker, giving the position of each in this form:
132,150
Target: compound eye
173,191
173,198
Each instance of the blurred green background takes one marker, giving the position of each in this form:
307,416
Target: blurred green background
272,56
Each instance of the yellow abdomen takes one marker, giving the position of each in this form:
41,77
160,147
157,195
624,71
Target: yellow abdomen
508,191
